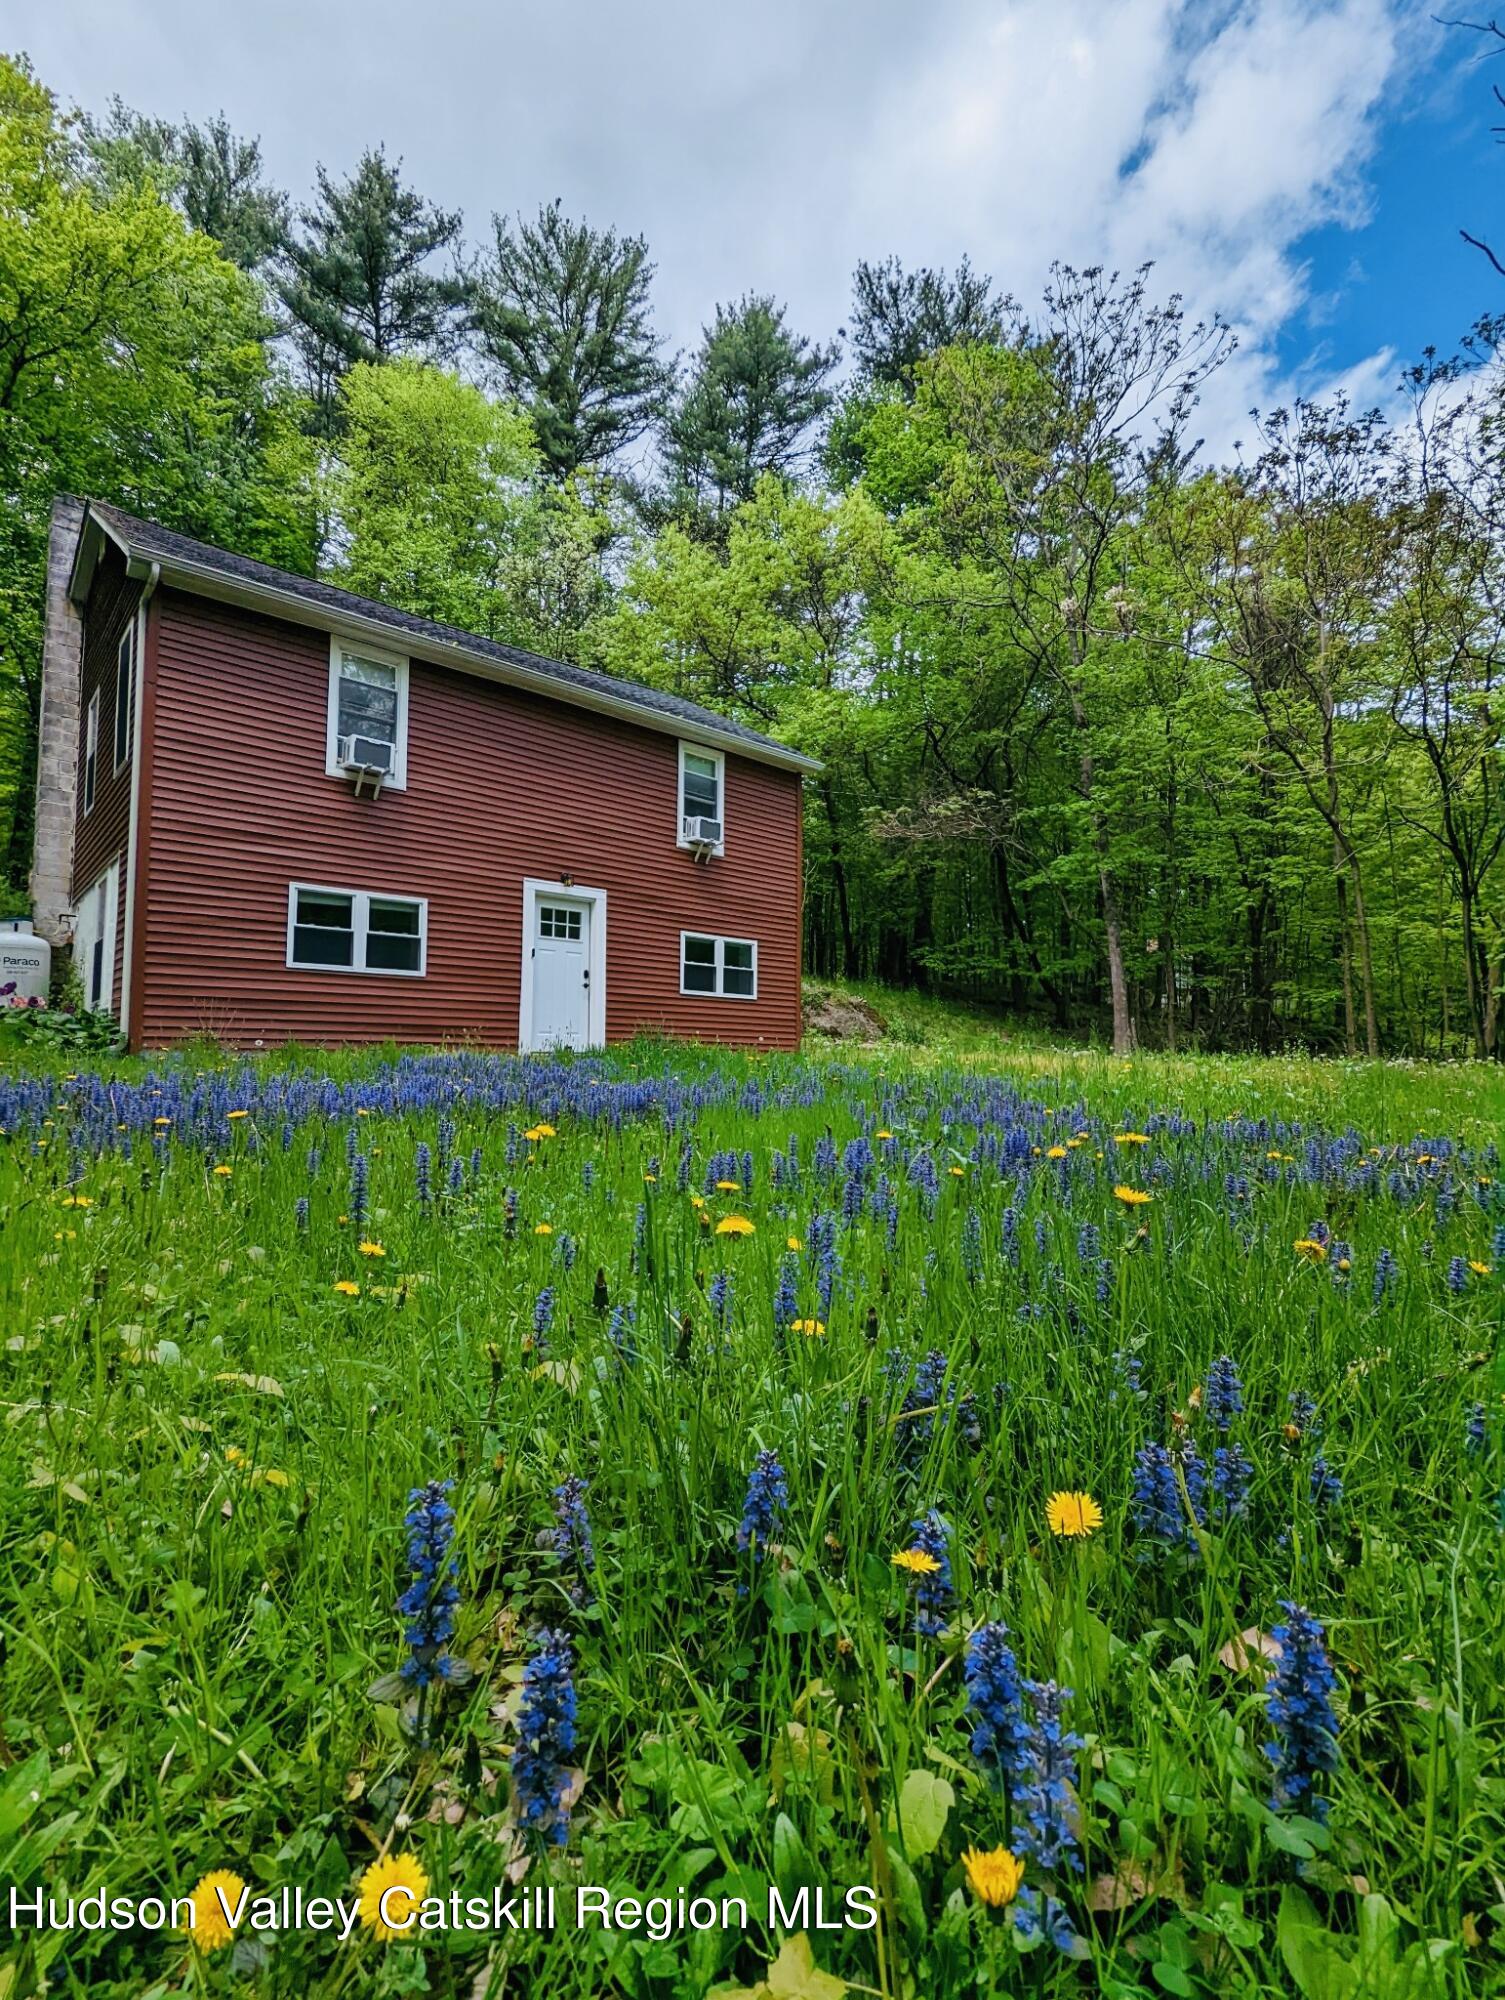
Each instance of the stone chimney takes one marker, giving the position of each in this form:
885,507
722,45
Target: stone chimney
57,735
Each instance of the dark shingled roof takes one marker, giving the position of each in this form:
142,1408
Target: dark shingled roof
157,544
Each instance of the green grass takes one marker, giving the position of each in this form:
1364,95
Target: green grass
206,1452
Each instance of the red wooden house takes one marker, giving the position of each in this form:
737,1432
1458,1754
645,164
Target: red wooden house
269,809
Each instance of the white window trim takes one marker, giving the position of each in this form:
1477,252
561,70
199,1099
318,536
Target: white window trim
696,993
535,891
360,914
333,768
132,849
90,785
126,650
105,889
718,758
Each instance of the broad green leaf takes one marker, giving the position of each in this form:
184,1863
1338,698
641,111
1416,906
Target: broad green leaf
925,1800
1312,1956
22,1793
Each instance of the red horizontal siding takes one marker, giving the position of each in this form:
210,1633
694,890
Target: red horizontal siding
502,785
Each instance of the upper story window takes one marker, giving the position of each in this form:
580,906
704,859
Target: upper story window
91,752
368,713
702,787
125,695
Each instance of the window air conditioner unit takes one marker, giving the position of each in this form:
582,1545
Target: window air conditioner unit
366,753
703,834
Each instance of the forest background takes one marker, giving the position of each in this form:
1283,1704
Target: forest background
1119,734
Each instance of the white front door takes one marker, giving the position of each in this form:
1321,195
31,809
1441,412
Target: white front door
561,973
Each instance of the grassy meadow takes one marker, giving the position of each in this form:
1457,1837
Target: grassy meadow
755,1380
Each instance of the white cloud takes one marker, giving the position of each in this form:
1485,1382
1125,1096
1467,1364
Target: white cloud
770,144
1206,141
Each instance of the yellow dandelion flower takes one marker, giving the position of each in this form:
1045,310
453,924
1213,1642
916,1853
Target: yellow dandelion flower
543,1229
224,1172
235,1456
919,1562
161,1121
734,1225
1055,1153
993,1875
957,1173
883,1133
78,1201
348,1286
1479,1270
272,1476
807,1326
391,1890
544,1131
1074,1515
651,1179
793,1243
1310,1248
697,1201
237,1114
1131,1138
370,1249
729,1187
1131,1197
216,1897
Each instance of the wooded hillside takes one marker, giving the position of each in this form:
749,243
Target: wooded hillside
1187,753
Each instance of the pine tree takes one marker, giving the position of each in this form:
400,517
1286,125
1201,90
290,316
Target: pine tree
357,280
211,175
562,313
899,317
748,408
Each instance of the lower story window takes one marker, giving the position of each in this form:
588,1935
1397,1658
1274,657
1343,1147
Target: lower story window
727,967
355,930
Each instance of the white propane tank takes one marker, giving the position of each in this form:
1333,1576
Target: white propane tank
26,960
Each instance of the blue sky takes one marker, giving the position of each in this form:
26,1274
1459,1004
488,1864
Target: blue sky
1404,279
1301,166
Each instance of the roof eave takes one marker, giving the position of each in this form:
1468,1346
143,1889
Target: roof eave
203,581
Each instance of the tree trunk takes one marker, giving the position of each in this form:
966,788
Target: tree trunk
1340,891
1366,961
849,964
1124,1039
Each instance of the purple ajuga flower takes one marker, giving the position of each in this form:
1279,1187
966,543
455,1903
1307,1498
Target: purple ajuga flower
545,1741
1000,1735
572,1538
1224,1398
766,1498
933,1588
428,1603
1046,1790
1299,1704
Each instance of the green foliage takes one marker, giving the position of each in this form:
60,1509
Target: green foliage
901,318
213,176
562,314
356,276
197,431
440,509
755,392
78,1030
